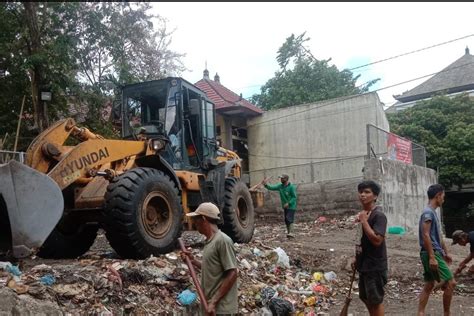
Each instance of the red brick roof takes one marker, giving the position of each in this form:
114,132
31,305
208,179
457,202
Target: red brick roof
224,98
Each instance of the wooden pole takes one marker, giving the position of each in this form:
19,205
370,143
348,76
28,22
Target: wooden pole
19,123
202,297
260,183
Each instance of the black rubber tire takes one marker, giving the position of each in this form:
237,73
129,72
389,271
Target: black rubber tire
123,223
62,244
238,212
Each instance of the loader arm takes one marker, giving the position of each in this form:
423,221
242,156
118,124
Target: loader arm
91,154
57,133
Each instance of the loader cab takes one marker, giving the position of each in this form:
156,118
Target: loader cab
177,110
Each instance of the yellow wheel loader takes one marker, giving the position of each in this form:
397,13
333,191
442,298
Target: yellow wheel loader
137,189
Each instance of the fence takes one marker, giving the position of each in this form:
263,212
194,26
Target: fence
6,156
381,143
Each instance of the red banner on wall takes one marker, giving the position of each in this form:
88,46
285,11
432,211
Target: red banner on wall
399,148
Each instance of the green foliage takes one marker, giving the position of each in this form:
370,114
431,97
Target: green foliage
309,80
87,51
445,126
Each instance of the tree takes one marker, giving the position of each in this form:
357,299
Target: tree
445,126
309,80
118,43
81,52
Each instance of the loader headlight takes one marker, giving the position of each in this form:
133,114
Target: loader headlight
158,144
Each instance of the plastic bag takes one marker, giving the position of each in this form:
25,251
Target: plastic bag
266,294
330,276
317,276
280,307
257,251
48,279
283,259
187,297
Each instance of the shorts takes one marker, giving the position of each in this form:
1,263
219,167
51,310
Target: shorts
289,216
371,286
443,270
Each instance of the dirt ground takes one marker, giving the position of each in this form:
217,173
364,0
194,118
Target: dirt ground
318,247
313,246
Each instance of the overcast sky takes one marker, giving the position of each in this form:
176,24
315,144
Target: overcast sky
239,41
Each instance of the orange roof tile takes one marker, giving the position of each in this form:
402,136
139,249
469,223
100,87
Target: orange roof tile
224,98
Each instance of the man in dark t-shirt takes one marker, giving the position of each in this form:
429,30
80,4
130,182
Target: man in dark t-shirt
462,238
371,252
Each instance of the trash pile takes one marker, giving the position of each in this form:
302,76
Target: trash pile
101,284
307,275
292,288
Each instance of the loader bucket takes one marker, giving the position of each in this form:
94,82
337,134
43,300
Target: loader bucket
34,204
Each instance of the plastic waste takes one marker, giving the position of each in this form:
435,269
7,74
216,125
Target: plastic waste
310,301
280,307
396,230
48,279
4,265
317,276
330,276
320,289
13,270
7,266
266,294
187,297
283,259
264,311
246,264
257,251
322,219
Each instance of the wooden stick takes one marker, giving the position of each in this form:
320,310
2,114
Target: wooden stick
260,183
193,276
19,123
345,308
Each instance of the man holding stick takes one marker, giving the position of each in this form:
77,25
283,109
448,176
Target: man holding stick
219,263
288,198
371,251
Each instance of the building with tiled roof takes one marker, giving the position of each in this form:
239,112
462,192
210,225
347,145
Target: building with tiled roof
232,113
456,78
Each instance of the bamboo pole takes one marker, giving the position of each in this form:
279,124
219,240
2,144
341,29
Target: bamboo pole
19,123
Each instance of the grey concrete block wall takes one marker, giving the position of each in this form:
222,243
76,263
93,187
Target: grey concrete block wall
404,187
315,199
314,142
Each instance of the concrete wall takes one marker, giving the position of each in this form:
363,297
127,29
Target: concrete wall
314,142
403,195
315,199
404,189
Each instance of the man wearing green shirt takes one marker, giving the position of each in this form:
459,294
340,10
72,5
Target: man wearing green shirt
287,192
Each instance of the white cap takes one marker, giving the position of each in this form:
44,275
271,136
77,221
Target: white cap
207,209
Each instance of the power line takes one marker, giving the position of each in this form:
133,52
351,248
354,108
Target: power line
412,52
354,96
389,58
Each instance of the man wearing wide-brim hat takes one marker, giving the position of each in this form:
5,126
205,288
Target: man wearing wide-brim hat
287,192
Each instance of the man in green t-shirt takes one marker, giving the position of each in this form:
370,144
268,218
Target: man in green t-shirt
219,264
287,192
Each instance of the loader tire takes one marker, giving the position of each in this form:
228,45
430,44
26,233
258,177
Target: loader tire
68,243
143,214
238,212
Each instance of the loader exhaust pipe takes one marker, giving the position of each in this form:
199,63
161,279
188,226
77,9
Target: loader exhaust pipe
34,204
